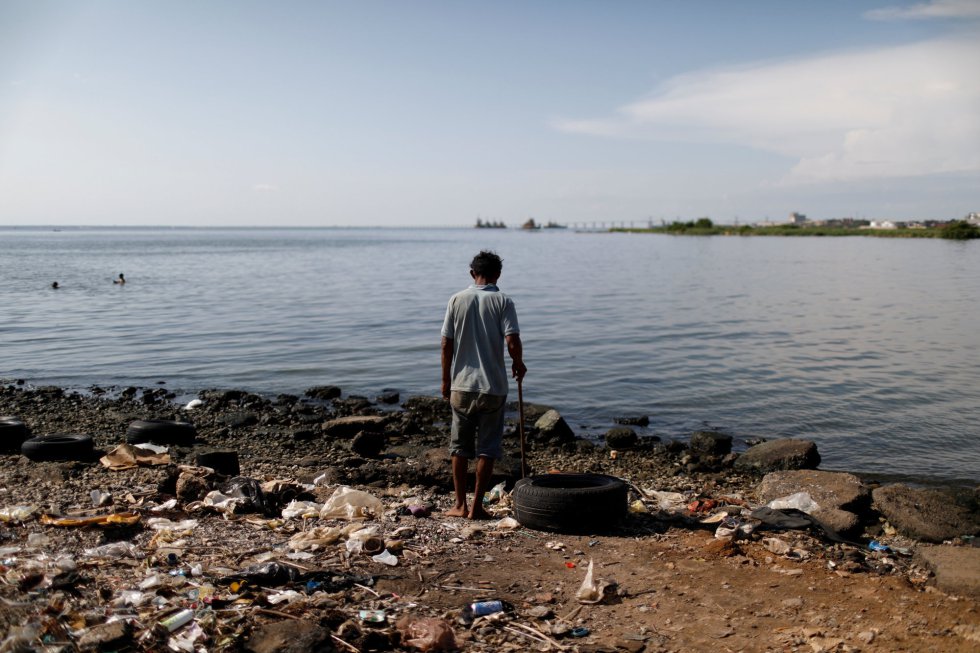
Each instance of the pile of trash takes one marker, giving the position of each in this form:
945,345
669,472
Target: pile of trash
233,563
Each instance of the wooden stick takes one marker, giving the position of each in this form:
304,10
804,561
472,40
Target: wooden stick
340,641
520,425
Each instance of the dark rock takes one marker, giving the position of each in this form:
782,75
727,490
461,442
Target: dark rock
710,443
222,396
303,435
775,455
552,427
928,514
532,412
323,392
293,636
346,427
389,396
643,420
239,420
285,399
354,406
223,461
675,446
956,568
621,437
368,443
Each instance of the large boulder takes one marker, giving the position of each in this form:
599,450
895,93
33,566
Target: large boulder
775,455
842,497
929,514
710,443
829,489
551,427
621,437
956,568
348,427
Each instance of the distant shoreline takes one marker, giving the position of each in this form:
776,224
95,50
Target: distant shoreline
953,231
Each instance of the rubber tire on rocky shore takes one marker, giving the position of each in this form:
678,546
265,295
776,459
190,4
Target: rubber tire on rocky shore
569,503
161,431
72,446
13,432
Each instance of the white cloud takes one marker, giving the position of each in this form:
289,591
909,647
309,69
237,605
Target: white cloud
928,10
890,112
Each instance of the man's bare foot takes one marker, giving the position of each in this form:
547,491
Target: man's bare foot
479,513
457,511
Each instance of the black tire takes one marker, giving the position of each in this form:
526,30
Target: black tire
161,431
59,447
570,503
13,432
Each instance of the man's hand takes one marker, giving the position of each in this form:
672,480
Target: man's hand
447,362
519,369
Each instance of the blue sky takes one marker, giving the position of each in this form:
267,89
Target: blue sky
431,113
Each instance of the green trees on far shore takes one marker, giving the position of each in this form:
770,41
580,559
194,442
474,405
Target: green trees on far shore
960,230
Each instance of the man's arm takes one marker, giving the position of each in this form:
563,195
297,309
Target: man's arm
516,351
447,366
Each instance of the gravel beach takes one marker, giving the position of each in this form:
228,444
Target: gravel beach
225,542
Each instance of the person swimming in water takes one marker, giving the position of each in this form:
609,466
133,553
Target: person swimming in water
55,285
121,280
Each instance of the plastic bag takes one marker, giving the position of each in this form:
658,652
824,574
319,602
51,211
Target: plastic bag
315,538
303,509
348,503
591,591
16,513
427,634
800,501
386,557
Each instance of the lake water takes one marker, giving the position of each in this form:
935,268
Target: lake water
867,346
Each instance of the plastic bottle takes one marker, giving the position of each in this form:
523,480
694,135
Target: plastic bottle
175,621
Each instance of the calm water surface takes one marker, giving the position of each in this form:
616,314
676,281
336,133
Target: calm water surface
867,346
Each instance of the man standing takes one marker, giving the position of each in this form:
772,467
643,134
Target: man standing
479,322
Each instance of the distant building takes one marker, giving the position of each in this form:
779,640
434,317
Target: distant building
973,218
797,218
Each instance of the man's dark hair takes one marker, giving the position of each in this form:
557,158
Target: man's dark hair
487,264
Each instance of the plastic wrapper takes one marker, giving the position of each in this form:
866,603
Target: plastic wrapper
114,550
386,557
17,513
348,503
315,538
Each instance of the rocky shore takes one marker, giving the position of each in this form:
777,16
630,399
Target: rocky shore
230,532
